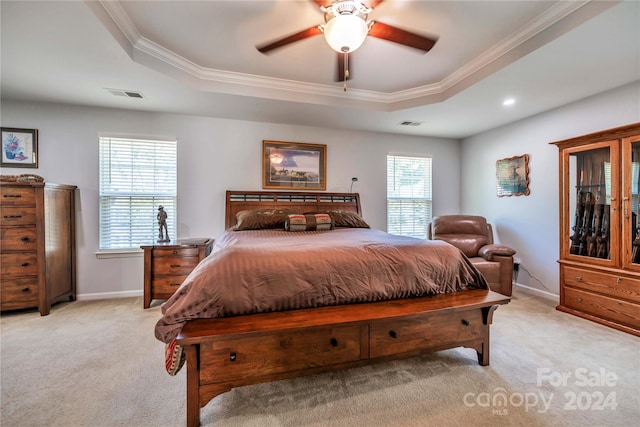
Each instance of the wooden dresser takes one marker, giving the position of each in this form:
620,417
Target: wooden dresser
37,245
166,265
600,227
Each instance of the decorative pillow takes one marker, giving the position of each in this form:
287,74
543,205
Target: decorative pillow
174,357
259,219
308,222
346,219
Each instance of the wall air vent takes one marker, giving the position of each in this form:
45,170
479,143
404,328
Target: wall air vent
409,123
125,93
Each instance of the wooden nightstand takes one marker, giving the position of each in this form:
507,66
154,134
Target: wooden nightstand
166,265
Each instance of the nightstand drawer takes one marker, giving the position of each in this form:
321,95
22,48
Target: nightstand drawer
19,264
167,285
179,252
14,196
17,215
18,239
173,266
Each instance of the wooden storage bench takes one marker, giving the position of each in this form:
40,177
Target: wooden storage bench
224,353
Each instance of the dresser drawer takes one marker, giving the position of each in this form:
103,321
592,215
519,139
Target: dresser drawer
176,252
17,215
19,292
18,264
18,238
14,196
406,334
612,309
164,286
613,285
236,359
173,266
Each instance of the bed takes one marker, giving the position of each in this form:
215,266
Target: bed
270,304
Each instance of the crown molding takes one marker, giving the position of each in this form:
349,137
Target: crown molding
269,87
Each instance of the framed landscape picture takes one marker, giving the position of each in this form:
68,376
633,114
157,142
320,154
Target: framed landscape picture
294,165
512,176
19,148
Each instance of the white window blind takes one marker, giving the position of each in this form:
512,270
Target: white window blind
409,200
136,177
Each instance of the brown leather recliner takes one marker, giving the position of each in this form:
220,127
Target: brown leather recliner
474,236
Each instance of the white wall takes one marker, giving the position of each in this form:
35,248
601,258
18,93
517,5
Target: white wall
213,155
530,224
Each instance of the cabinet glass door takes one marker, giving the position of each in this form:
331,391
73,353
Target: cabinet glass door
630,205
593,185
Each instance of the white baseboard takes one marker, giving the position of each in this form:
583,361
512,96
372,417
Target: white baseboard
544,294
109,295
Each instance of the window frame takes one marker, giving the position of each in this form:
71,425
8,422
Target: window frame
166,190
426,201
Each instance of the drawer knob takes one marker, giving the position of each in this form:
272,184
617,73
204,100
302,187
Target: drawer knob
174,284
232,357
465,322
175,265
579,299
393,334
12,216
13,195
25,264
618,280
175,252
26,290
24,239
334,342
578,279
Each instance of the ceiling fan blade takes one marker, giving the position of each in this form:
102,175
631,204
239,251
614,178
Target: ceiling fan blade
397,35
373,3
324,3
309,32
341,69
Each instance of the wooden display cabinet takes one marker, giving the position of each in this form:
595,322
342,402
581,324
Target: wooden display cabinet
600,227
166,265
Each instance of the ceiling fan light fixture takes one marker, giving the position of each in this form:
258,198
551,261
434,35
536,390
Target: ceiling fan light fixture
345,33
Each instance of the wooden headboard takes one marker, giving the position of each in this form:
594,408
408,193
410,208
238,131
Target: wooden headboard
305,201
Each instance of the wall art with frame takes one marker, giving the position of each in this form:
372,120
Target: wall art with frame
294,165
512,176
19,148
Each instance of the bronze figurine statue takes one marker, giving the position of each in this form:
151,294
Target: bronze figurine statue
162,225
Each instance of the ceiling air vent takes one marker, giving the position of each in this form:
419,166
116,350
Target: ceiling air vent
409,123
125,93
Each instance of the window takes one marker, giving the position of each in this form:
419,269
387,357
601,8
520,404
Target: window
136,177
409,201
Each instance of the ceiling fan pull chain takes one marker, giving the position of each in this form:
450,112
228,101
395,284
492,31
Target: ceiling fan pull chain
346,69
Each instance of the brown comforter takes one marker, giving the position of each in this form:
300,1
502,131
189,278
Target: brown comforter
273,270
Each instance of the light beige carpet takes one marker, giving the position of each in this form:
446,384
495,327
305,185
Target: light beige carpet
97,363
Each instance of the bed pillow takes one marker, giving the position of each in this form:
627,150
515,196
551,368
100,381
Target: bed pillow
308,222
260,219
346,219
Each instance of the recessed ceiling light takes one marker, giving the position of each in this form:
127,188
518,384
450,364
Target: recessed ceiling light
508,102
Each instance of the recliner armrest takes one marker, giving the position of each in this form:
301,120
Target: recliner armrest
489,251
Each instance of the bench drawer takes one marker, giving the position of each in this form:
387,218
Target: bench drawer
411,333
271,353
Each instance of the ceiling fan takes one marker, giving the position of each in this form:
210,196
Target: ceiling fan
346,28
